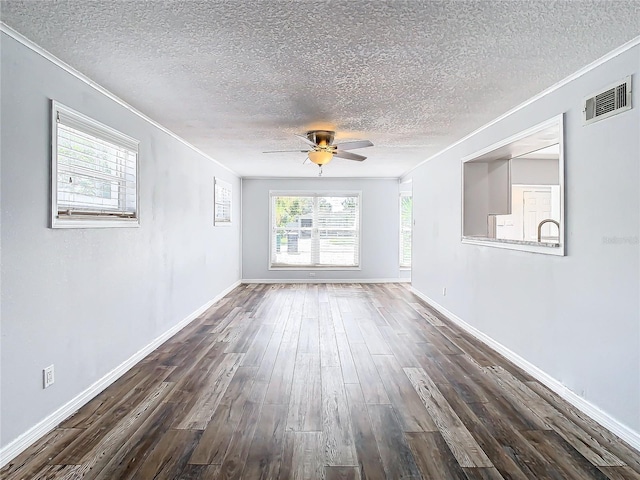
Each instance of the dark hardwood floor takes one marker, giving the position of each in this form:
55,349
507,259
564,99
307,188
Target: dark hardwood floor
326,381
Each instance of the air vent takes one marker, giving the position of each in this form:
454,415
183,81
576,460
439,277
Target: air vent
611,101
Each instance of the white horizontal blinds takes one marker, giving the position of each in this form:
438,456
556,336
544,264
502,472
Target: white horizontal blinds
406,208
292,229
96,169
222,202
338,219
315,230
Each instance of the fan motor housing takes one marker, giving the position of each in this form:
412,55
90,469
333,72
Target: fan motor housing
322,138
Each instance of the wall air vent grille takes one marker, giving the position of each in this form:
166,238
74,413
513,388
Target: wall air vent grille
611,101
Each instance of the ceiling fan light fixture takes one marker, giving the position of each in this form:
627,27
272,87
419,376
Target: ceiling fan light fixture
320,157
321,149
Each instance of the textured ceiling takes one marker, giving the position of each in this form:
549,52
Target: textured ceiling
235,78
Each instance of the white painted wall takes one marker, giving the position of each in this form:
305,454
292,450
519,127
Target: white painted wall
379,255
575,317
86,300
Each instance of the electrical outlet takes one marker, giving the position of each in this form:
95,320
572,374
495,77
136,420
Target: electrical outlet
444,291
48,377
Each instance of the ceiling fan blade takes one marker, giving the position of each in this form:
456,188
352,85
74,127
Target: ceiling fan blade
305,140
354,144
349,156
287,151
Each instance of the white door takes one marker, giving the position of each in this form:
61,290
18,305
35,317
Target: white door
537,206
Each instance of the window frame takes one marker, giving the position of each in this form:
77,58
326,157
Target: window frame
314,193
222,221
105,133
405,266
523,246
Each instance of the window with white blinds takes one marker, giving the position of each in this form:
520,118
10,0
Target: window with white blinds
95,173
222,202
315,230
406,216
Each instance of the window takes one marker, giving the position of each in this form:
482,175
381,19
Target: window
222,203
315,230
513,192
406,216
94,173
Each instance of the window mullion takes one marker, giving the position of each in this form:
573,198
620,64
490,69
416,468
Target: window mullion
315,238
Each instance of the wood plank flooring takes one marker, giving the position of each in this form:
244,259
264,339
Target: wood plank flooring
357,381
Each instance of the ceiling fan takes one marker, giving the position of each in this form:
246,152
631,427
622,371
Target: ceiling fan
323,149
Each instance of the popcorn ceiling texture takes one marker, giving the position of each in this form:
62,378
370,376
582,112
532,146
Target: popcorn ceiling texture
235,78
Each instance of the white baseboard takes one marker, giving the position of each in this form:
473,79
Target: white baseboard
326,280
17,446
621,430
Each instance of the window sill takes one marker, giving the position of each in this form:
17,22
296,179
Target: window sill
544,248
312,268
93,223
